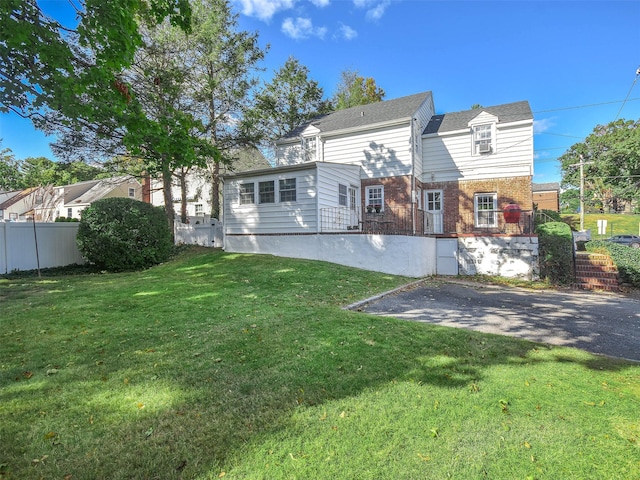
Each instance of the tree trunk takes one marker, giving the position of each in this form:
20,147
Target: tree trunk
183,193
168,196
215,192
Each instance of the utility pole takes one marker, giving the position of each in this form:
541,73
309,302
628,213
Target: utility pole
581,165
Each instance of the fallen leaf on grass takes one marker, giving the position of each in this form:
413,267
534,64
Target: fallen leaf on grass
27,374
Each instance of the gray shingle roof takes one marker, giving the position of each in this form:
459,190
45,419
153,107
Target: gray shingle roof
509,112
545,187
364,115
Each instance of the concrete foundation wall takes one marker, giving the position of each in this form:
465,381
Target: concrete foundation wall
392,254
515,257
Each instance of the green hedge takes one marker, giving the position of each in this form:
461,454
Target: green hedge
627,259
119,234
555,243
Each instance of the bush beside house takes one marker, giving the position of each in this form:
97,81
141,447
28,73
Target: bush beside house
119,234
626,259
555,243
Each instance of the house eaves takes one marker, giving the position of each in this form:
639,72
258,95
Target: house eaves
363,117
274,170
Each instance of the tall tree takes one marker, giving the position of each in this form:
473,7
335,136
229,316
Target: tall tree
611,157
71,79
354,90
285,103
11,177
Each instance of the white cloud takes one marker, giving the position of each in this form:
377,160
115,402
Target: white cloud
541,126
301,28
320,3
347,32
265,9
375,8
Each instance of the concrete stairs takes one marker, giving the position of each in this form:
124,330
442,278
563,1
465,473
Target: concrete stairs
595,271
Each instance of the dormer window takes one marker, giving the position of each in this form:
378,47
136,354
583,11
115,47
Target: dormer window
482,139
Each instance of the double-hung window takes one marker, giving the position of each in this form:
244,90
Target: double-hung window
482,139
247,194
287,189
132,192
267,192
486,210
343,199
199,209
375,196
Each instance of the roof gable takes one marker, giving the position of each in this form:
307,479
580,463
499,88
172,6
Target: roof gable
507,113
364,115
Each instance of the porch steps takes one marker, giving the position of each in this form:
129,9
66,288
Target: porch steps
595,271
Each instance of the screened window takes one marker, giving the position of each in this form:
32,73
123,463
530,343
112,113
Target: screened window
267,192
342,195
247,194
288,190
486,206
482,139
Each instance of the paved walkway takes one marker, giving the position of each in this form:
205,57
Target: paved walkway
607,324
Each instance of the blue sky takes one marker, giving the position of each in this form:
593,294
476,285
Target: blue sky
574,61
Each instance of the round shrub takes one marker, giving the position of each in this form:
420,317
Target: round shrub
119,234
555,243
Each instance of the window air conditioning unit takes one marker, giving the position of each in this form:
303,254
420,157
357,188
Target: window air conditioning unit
484,148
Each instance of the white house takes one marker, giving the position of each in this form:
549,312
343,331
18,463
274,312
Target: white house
393,187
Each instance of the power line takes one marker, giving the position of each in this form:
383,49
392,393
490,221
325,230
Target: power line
629,93
590,105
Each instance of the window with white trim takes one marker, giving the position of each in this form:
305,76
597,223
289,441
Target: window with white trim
482,139
267,192
132,192
199,209
70,212
486,210
343,199
287,189
247,194
374,196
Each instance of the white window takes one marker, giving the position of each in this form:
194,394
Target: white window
247,194
70,212
267,192
374,197
486,210
132,192
199,209
482,139
343,199
287,188
434,200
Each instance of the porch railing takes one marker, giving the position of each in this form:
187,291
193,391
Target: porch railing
404,221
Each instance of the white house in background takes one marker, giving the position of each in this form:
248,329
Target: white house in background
391,186
49,202
199,185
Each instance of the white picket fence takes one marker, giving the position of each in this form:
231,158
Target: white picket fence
56,245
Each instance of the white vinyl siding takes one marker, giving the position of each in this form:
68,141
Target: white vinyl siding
330,176
277,217
448,157
385,152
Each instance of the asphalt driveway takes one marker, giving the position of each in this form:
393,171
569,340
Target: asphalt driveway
607,324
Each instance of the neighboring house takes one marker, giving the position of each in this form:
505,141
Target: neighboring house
198,184
546,196
15,205
70,200
388,171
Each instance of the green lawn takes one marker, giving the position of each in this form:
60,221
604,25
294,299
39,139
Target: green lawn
218,365
617,224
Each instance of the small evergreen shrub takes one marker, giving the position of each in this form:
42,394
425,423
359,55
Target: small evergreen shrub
555,243
627,259
119,234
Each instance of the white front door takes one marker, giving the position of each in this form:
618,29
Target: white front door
433,205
